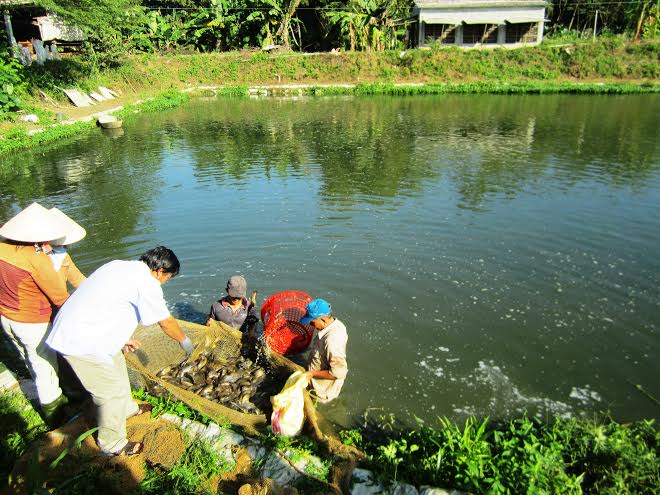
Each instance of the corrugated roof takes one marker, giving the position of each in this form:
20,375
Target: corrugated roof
470,4
15,3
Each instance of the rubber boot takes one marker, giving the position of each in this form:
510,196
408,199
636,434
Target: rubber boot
53,413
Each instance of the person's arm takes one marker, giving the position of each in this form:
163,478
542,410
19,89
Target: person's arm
152,309
172,329
211,317
336,360
48,281
74,276
321,374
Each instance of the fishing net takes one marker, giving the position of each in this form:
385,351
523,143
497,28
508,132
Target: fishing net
158,351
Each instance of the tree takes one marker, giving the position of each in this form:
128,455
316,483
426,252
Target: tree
637,17
370,24
106,23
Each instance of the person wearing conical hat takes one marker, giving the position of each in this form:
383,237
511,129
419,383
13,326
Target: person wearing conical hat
29,288
64,265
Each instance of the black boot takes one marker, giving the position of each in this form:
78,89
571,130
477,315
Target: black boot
53,412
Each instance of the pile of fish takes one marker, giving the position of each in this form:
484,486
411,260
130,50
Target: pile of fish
239,382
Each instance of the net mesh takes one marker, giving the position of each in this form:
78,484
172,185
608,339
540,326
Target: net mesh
159,351
281,315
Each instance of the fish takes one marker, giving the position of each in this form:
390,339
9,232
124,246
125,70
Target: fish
241,383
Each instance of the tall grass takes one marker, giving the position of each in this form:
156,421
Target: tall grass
567,456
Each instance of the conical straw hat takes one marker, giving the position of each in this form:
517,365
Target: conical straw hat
74,231
34,224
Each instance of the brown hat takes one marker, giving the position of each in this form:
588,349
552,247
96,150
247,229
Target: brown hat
236,286
34,224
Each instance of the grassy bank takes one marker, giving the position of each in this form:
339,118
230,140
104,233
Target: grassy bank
609,65
567,456
19,137
607,60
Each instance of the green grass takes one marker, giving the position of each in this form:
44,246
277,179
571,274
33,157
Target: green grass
17,137
20,425
484,87
300,448
162,405
163,101
192,474
567,456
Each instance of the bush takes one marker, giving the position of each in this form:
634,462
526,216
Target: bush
11,82
521,456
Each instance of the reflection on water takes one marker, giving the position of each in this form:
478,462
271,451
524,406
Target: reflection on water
488,254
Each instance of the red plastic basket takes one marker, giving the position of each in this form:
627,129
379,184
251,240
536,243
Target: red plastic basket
281,314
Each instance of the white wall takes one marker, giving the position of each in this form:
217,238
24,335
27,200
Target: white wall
485,15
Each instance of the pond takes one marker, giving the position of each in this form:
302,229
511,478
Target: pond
488,254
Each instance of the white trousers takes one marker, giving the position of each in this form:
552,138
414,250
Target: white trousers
108,383
41,360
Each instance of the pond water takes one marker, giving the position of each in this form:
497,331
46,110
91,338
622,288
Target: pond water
488,254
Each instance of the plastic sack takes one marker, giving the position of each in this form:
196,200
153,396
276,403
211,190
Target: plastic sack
289,406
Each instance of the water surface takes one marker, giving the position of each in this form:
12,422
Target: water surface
488,254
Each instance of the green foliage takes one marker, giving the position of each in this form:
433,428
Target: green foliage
18,138
232,91
76,445
162,405
191,474
297,449
20,425
370,24
298,446
523,456
106,23
11,82
351,437
56,74
212,25
640,18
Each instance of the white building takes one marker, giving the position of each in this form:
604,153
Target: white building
480,23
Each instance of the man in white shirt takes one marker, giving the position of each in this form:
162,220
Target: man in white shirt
97,323
327,367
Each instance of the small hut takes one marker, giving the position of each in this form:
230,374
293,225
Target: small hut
479,23
26,22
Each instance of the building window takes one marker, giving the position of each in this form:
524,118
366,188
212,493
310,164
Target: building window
442,33
522,32
479,33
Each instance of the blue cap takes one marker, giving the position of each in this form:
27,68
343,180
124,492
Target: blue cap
316,309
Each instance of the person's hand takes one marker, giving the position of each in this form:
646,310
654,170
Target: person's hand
131,346
187,345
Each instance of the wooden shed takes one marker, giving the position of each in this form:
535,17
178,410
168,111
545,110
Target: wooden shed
25,21
479,23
